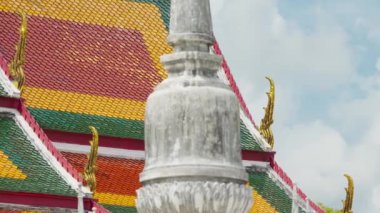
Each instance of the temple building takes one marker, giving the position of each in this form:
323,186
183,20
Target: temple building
75,76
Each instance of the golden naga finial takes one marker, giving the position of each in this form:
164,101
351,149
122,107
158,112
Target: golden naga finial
347,204
90,169
17,63
267,121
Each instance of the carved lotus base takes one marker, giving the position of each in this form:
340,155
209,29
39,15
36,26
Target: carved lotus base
194,197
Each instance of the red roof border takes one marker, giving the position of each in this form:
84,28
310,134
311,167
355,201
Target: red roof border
233,84
48,200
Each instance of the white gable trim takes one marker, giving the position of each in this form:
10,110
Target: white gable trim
102,151
9,88
289,191
254,132
42,149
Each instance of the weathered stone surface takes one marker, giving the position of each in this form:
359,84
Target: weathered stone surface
190,25
202,197
192,137
196,126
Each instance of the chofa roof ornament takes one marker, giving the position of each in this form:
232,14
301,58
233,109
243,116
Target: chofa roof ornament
347,204
17,63
90,169
267,121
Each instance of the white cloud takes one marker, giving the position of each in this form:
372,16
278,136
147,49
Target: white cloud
370,25
356,114
363,16
262,42
361,117
376,198
378,64
313,154
316,156
257,41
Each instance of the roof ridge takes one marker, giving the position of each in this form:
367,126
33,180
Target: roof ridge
47,142
288,181
4,65
8,86
233,84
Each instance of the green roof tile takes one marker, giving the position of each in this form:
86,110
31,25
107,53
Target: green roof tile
247,141
41,178
120,209
115,127
267,188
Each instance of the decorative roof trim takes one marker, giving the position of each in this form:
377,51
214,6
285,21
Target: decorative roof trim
299,202
102,151
9,88
284,182
256,166
232,82
112,146
45,147
254,132
44,200
106,141
226,76
259,156
9,102
280,182
262,162
267,121
284,177
288,190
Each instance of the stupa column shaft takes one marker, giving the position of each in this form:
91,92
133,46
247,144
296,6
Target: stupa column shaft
190,25
192,126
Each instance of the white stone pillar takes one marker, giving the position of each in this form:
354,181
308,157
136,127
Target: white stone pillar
80,196
192,127
308,208
295,207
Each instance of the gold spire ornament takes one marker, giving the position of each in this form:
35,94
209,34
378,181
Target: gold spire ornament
347,204
90,169
17,63
267,121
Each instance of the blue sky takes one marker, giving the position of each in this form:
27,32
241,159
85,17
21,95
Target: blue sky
325,59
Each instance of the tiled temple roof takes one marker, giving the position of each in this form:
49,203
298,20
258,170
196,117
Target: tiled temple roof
96,68
118,179
32,171
94,62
